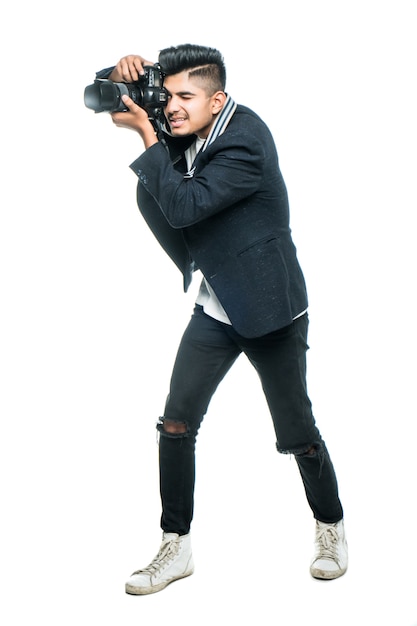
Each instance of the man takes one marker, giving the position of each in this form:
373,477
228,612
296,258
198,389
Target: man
213,194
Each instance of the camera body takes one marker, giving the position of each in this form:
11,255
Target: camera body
148,92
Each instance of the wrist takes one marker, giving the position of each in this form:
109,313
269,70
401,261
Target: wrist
148,135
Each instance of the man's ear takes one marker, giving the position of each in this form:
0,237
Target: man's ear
217,102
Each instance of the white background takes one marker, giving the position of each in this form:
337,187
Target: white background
86,350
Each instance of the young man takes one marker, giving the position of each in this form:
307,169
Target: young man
214,196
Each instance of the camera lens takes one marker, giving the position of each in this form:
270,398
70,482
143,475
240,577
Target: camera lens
105,95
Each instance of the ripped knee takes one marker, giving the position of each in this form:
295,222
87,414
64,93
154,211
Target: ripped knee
310,455
172,428
312,451
309,450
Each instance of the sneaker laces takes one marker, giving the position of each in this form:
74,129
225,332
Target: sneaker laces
326,539
167,552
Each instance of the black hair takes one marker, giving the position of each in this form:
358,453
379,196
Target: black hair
201,61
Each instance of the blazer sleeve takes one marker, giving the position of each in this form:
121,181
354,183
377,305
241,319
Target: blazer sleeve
228,171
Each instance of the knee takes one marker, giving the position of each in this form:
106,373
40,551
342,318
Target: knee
172,428
309,450
312,451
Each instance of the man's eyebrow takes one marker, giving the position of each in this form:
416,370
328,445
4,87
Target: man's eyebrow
182,93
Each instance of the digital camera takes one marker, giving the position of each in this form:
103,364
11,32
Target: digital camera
147,92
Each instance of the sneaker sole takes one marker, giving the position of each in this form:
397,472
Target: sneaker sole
325,575
144,591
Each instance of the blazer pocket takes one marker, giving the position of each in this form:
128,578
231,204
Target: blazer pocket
258,245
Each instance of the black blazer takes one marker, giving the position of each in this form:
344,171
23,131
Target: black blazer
230,220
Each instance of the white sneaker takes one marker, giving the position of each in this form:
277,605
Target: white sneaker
331,557
173,561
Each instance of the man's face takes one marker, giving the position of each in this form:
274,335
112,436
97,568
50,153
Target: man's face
190,110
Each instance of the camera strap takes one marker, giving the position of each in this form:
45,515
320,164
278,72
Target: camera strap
158,127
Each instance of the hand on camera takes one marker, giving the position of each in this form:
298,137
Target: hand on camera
129,68
137,119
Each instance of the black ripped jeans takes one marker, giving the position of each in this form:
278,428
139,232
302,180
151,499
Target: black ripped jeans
207,351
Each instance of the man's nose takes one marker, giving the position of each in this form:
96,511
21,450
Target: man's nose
172,105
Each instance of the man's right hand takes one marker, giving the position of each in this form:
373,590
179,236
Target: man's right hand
135,118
